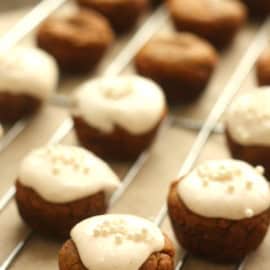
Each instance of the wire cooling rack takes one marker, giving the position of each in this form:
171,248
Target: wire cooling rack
151,25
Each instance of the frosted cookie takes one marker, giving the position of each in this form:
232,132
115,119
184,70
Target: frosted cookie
58,186
77,39
216,20
220,210
181,63
247,128
28,77
118,117
117,242
122,14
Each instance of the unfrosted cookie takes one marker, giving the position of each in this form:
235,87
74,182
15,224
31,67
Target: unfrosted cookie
216,20
77,39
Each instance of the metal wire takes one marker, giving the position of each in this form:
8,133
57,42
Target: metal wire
158,18
13,133
29,22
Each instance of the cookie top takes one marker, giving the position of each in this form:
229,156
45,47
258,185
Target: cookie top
228,189
179,52
207,11
28,71
131,102
116,241
61,174
77,26
248,119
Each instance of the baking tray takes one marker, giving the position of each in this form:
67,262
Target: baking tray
146,195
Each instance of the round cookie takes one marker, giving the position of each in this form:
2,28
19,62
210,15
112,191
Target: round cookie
77,39
58,186
263,68
220,210
181,63
28,77
117,242
247,128
122,14
258,8
118,117
216,20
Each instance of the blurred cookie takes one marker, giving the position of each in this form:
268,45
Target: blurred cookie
77,40
216,20
181,63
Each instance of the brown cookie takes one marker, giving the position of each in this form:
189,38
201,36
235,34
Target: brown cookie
217,239
118,145
263,68
181,63
123,14
16,106
77,41
217,21
258,8
69,258
56,219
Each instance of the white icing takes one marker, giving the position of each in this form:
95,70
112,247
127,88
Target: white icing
229,189
62,174
134,103
28,71
116,241
248,119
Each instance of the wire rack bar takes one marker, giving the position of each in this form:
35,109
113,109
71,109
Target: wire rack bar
150,27
29,22
13,133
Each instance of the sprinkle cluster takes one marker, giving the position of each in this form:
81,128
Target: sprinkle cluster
224,173
220,173
61,159
119,230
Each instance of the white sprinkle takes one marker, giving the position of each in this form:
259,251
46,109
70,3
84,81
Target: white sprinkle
249,213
